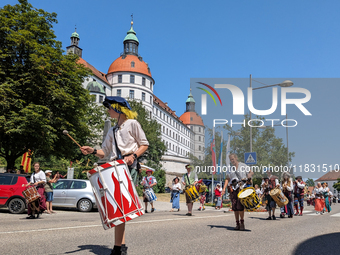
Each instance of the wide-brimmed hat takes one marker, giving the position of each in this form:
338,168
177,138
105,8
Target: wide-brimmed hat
285,175
119,105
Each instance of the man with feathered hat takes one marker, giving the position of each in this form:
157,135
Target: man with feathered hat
126,140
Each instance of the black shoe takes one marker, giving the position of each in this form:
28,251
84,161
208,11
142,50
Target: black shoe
116,250
30,217
269,218
146,211
274,218
153,209
188,214
123,250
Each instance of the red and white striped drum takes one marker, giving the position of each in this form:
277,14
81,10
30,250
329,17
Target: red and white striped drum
115,193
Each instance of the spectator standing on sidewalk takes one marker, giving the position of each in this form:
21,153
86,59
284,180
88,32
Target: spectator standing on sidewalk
49,190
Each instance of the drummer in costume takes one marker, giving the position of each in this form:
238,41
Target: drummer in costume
189,178
269,183
148,182
299,192
287,188
126,141
38,179
234,183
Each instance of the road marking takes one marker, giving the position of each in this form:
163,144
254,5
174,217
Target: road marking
91,226
335,215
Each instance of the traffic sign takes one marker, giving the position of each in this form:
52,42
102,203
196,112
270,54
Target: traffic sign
250,158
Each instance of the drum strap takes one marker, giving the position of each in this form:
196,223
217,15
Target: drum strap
119,154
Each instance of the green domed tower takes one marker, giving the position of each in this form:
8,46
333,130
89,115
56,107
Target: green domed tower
74,48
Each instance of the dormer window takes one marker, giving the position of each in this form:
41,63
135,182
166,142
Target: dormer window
132,64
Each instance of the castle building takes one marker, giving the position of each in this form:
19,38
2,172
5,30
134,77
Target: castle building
130,77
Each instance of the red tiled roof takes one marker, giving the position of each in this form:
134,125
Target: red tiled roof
159,102
191,118
100,75
124,65
330,176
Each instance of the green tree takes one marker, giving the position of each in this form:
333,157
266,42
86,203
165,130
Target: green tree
152,130
269,148
41,91
337,185
310,182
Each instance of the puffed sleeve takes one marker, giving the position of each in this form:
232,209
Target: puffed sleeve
138,133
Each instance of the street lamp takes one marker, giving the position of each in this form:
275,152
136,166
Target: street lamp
286,83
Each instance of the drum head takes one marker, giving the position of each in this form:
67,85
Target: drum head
245,193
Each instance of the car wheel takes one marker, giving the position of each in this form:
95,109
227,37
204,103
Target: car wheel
85,205
17,205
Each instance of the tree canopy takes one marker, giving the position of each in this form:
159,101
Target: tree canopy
152,130
41,91
270,149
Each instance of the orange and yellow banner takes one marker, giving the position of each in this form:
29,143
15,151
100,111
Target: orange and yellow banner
26,161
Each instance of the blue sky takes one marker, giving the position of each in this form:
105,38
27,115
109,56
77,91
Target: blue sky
222,39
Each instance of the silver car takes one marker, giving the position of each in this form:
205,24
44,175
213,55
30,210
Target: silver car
74,193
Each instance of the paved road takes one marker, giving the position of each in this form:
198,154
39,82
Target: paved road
208,232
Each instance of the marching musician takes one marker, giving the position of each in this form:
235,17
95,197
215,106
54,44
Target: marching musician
237,177
326,195
203,193
38,179
148,182
126,141
269,183
287,188
187,179
299,190
319,202
175,194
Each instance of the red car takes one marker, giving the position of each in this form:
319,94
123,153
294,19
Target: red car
11,191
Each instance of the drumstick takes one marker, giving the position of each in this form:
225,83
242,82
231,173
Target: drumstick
65,132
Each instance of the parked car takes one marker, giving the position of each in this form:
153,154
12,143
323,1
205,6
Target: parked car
74,193
11,191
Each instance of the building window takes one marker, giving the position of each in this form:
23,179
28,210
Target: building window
199,157
143,96
163,129
156,112
166,131
143,81
170,132
132,94
132,79
151,85
199,129
199,138
120,78
119,92
199,147
150,99
132,64
101,99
